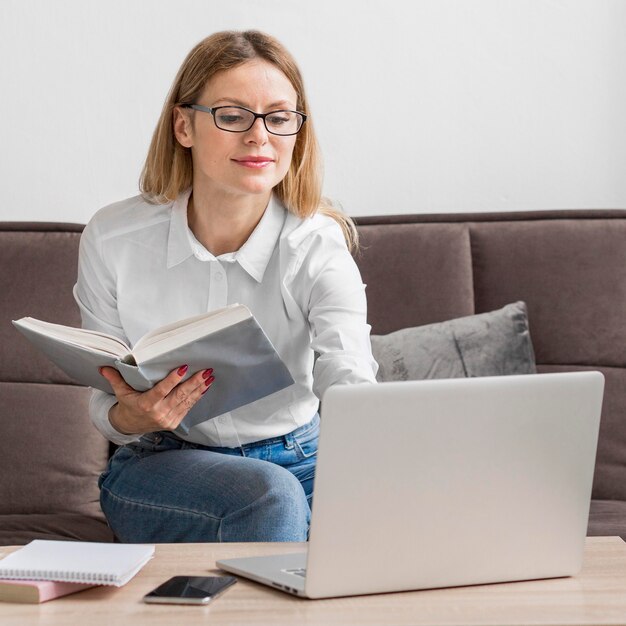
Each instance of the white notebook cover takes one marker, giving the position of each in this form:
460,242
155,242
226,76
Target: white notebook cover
76,561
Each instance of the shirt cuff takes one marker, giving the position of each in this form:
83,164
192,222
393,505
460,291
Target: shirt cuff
99,406
347,369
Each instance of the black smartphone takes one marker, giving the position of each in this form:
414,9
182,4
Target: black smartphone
190,589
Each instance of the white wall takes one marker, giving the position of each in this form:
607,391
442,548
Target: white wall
492,104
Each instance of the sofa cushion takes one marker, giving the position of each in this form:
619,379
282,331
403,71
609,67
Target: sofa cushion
570,273
608,480
51,457
607,518
415,274
50,454
39,284
20,529
489,344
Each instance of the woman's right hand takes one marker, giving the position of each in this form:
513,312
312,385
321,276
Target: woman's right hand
161,408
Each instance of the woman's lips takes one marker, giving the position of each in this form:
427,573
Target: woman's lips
254,162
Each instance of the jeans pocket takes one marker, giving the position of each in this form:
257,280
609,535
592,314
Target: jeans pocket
149,443
306,443
142,447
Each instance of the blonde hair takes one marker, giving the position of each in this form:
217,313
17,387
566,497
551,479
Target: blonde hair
168,169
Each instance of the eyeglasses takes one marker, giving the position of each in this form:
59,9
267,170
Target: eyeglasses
235,119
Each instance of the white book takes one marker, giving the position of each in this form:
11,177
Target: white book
230,340
77,562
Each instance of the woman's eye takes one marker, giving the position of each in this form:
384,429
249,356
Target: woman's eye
230,119
278,120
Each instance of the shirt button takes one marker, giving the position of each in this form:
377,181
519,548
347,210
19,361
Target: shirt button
223,419
218,277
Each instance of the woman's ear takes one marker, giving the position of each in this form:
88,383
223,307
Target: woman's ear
182,127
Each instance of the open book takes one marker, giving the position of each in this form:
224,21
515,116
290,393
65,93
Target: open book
230,340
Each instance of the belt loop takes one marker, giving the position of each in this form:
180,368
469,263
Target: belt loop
288,439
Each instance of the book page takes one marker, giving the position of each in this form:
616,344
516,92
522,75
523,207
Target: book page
92,339
172,336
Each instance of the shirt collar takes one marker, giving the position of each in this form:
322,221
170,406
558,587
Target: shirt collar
255,253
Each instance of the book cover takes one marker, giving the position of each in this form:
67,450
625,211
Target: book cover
37,591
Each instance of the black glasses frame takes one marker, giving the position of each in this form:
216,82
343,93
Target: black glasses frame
213,110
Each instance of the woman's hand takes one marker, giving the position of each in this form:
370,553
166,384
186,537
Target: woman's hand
161,408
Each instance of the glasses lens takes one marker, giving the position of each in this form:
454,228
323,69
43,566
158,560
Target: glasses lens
283,122
233,119
237,120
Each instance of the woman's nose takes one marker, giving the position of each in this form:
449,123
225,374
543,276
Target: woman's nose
257,133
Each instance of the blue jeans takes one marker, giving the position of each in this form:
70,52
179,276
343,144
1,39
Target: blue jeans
162,489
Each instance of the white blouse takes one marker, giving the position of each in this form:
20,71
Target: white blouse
140,267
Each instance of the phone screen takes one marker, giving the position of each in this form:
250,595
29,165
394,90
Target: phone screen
190,589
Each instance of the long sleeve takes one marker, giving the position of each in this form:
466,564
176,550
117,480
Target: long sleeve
337,312
94,293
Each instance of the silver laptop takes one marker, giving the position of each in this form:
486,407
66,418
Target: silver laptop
441,483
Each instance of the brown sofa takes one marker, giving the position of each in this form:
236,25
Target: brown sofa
568,266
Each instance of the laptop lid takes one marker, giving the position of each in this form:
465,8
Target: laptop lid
452,482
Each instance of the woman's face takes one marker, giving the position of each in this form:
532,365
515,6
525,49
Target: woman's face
222,161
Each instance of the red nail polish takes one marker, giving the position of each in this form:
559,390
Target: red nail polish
207,373
182,370
208,381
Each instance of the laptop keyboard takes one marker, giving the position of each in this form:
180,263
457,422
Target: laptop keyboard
298,571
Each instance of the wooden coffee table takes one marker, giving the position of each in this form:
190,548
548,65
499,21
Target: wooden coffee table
596,596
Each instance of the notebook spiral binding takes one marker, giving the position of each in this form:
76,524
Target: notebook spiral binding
69,577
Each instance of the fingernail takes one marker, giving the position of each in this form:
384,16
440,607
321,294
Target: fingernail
208,384
208,381
182,369
207,373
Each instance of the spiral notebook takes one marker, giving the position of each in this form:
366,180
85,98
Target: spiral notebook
76,561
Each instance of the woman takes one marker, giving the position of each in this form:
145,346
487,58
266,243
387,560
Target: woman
230,211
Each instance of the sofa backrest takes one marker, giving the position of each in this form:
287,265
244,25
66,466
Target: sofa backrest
568,266
50,454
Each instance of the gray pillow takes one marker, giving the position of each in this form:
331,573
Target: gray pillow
488,344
